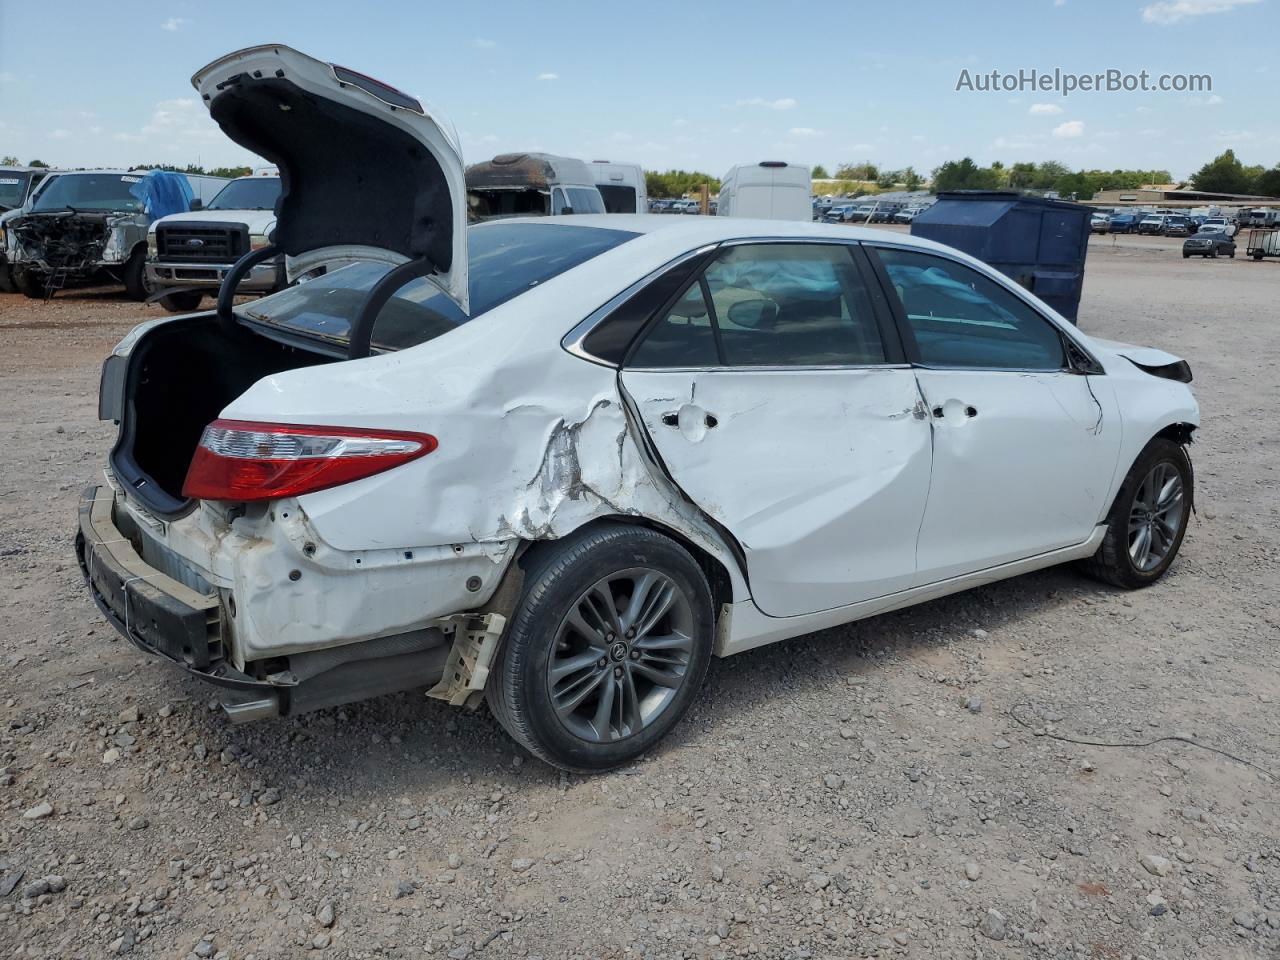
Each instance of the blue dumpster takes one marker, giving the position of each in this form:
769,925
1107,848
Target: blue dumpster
1038,243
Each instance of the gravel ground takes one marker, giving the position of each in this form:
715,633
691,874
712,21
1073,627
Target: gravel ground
896,788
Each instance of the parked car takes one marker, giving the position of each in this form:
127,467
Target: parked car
660,205
1123,223
1099,223
543,454
89,224
1152,224
621,186
884,213
1227,225
769,190
531,185
1178,227
841,213
692,207
1208,242
17,187
189,254
907,215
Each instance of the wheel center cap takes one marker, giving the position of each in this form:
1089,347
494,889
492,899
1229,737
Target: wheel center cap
618,651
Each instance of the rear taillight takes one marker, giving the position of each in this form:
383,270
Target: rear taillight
241,460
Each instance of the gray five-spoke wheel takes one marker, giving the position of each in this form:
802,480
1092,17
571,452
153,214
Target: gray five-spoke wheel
1155,517
621,654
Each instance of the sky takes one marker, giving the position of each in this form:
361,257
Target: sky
669,84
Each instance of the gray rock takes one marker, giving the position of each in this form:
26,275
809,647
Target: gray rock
1155,865
973,704
35,888
39,811
972,871
455,861
404,889
130,715
1002,744
992,925
1194,814
521,864
833,781
138,823
269,797
203,949
1244,918
325,916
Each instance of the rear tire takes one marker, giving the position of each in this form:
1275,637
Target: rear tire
6,279
570,684
1148,520
184,302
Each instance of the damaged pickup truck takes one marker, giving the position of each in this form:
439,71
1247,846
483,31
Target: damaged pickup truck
558,464
92,223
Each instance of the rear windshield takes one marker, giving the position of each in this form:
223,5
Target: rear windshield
506,259
91,192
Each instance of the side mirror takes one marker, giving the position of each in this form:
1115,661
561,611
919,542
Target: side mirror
753,314
197,204
566,211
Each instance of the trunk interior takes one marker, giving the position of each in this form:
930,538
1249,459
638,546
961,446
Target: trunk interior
180,377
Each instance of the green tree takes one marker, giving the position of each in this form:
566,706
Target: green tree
676,183
858,171
910,179
820,172
1223,174
9,161
231,172
1021,175
38,163
963,175
888,179
1268,184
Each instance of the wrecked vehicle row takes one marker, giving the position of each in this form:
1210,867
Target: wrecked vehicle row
88,224
558,464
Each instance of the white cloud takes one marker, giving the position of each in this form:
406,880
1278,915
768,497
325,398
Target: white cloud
1171,11
174,24
1045,109
1059,3
60,134
782,103
1210,101
482,43
1069,130
548,76
805,132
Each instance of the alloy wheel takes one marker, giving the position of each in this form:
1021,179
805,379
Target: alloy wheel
1155,517
621,654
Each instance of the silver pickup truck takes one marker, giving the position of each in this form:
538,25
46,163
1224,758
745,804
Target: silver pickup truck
188,254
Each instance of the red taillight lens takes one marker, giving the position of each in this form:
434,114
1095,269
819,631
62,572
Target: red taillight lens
241,460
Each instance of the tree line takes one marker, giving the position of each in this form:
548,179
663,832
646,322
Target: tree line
230,172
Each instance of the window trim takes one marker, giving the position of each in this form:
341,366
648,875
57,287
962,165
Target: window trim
911,348
890,338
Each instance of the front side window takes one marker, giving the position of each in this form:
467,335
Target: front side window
769,305
959,318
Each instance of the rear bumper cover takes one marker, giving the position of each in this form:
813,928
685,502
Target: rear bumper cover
158,615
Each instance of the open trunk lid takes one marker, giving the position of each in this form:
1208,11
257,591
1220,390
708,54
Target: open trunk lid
367,172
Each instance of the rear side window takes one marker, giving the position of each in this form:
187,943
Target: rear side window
769,305
959,318
792,304
617,198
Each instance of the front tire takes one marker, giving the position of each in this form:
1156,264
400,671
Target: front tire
1148,519
135,280
607,649
185,301
31,283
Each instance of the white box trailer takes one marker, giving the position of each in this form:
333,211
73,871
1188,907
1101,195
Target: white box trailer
769,190
621,185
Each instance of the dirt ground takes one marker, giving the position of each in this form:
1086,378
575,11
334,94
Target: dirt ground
896,788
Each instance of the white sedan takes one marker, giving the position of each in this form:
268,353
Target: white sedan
558,464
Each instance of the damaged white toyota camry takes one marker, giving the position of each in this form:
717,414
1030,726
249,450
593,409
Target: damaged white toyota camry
560,463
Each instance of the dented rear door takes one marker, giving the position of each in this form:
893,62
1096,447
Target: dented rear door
775,406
